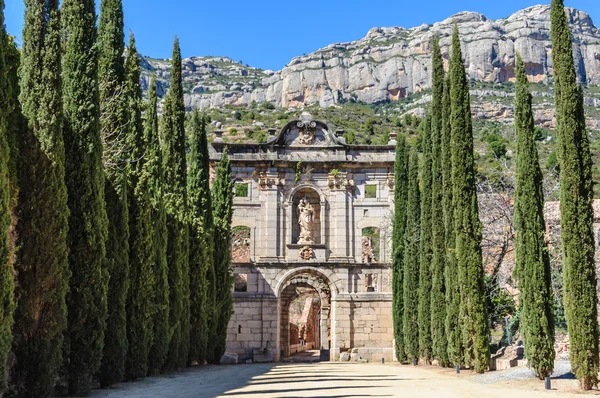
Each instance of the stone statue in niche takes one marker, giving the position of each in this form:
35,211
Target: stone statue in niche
306,219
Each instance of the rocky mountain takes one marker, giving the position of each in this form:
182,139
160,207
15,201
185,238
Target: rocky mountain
389,63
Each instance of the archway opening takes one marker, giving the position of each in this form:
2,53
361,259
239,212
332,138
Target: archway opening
304,320
240,244
304,323
371,245
306,217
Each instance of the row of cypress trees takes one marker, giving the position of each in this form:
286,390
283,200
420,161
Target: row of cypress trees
439,298
123,262
439,294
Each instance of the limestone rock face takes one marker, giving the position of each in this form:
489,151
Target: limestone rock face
390,63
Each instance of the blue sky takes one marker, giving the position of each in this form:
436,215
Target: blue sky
269,33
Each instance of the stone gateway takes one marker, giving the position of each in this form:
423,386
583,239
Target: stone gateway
306,202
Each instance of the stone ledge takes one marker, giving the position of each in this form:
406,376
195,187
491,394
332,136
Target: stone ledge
362,297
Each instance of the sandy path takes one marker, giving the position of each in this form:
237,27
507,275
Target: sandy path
325,380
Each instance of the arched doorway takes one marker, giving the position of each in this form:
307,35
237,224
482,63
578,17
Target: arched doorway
309,290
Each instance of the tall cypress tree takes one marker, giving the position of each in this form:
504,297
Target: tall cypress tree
42,261
438,260
201,239
576,214
533,263
160,299
7,304
222,201
453,335
398,243
111,75
141,259
425,249
411,265
84,177
473,310
175,193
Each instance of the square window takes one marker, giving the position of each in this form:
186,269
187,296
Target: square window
240,283
370,191
241,190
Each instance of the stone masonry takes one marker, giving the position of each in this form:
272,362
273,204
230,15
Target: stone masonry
350,190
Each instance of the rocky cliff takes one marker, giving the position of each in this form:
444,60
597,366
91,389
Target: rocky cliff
390,63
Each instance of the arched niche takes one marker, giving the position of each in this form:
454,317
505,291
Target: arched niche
306,195
371,245
241,244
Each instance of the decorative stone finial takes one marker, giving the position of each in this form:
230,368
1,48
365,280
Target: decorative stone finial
306,117
393,136
339,134
218,136
272,132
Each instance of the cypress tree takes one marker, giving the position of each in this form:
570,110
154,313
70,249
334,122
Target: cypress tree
576,214
7,304
160,299
42,259
222,201
425,249
139,298
175,193
411,265
532,262
473,310
438,260
398,246
201,239
111,75
84,177
453,336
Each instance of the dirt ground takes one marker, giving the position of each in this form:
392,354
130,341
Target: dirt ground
333,380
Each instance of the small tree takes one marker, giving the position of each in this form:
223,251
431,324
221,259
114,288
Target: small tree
425,249
576,213
438,260
411,266
111,77
201,240
8,114
160,299
222,201
473,314
175,195
141,258
533,263
398,243
42,259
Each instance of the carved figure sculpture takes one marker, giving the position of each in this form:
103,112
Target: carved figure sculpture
306,220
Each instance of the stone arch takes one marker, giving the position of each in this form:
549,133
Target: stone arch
287,290
371,242
327,277
378,223
302,186
251,227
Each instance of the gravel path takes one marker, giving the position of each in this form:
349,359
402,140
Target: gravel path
562,370
329,379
